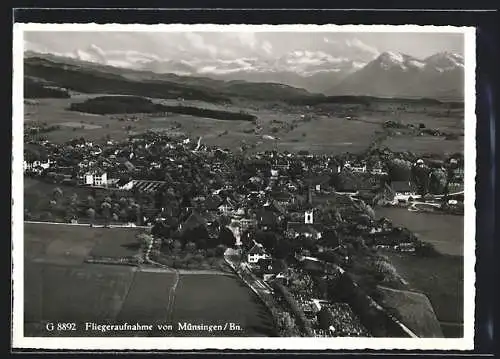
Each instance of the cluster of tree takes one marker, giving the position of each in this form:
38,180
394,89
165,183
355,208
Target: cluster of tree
359,298
34,89
190,257
135,104
67,205
399,169
304,323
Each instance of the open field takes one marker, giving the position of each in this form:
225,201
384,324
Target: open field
330,133
73,293
424,144
148,298
60,287
55,243
219,299
413,309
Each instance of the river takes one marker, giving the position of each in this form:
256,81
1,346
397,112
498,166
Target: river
444,231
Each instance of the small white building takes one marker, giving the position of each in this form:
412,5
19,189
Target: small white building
93,178
31,165
308,217
256,253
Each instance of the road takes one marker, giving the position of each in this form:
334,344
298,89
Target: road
171,293
88,225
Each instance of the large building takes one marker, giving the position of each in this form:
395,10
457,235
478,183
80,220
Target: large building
93,178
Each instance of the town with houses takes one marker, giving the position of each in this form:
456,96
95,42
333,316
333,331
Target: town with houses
291,225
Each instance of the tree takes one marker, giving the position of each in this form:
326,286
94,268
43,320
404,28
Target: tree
123,202
219,250
437,181
145,240
226,237
161,230
282,249
190,246
57,193
74,199
123,215
198,235
91,201
369,211
420,176
91,214
267,239
106,211
399,170
176,246
331,238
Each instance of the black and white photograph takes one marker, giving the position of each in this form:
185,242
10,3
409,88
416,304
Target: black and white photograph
243,186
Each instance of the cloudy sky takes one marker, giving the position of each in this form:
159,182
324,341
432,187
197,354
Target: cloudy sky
235,51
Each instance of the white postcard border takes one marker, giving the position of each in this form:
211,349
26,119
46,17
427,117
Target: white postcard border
196,343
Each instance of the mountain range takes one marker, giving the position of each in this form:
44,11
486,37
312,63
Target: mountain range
389,74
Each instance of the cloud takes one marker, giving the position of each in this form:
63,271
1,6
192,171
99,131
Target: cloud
362,46
197,42
247,39
267,47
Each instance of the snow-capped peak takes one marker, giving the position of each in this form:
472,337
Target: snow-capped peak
444,61
392,57
390,60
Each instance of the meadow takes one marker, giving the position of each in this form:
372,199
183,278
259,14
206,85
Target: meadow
219,299
327,132
60,286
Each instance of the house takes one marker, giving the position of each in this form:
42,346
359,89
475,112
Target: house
95,178
296,229
355,167
455,186
377,169
144,186
35,165
319,182
213,202
275,207
312,264
283,198
247,223
227,206
193,221
402,191
458,172
256,253
270,268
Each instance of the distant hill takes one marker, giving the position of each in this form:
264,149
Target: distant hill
87,77
392,74
38,89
